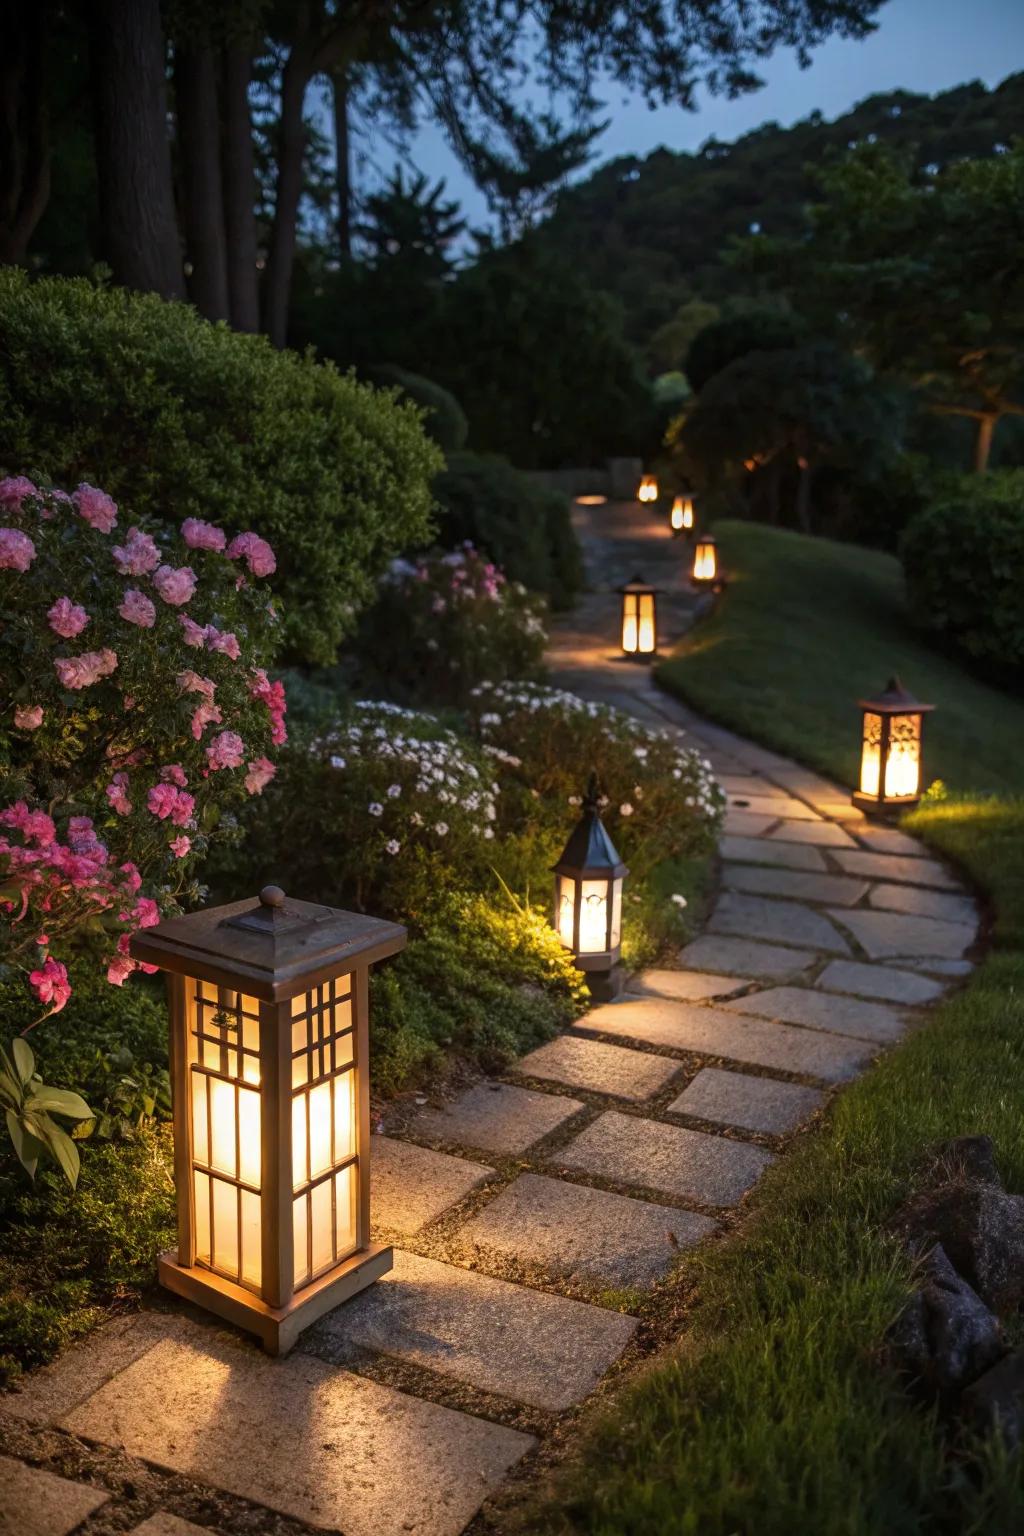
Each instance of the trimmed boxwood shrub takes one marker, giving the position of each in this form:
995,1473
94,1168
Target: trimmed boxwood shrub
444,419
521,525
179,418
964,564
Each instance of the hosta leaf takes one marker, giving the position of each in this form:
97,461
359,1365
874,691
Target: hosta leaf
24,1061
63,1149
59,1101
28,1149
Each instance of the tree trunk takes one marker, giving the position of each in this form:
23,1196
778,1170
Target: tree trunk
343,165
195,92
803,496
294,80
133,156
983,442
24,129
239,177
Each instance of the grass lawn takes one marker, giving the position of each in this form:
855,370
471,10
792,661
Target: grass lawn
774,1413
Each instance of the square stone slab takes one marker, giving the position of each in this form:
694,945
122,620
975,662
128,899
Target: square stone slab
633,1075
745,957
746,824
880,981
411,1186
34,1502
497,1117
774,806
783,922
683,986
314,1442
691,1165
762,850
521,1344
881,934
923,903
883,866
888,840
750,1103
574,1231
825,833
714,1032
824,1010
758,880
44,1396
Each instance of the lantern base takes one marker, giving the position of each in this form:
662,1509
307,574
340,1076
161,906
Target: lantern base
606,986
883,810
276,1327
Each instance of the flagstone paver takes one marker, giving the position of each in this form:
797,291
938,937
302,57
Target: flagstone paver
884,866
934,966
544,1350
326,1446
745,957
712,1170
782,922
879,981
34,1502
496,1117
762,850
824,1010
774,806
164,1524
756,879
888,840
884,934
745,824
750,1103
575,1231
919,902
601,1068
824,833
411,1186
684,986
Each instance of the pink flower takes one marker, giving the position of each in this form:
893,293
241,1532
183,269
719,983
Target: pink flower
34,826
82,836
226,750
261,771
146,913
194,634
200,535
117,794
137,609
165,800
67,619
191,682
174,773
175,584
16,550
13,491
138,555
225,641
29,717
82,671
180,846
272,695
206,714
50,984
119,969
132,878
256,553
99,511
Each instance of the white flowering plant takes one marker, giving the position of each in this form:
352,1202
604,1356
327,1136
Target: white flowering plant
445,622
660,798
382,807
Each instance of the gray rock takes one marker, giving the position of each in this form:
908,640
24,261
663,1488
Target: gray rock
995,1402
971,1158
981,1229
945,1336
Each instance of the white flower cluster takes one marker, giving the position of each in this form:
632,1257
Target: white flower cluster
415,773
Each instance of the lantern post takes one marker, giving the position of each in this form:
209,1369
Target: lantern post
639,637
269,1033
891,766
588,900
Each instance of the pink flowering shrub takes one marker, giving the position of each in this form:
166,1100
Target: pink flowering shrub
445,623
137,709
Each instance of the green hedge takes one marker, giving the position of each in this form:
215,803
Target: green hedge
524,527
180,418
443,417
963,559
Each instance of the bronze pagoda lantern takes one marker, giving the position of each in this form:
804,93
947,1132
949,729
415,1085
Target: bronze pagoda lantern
891,765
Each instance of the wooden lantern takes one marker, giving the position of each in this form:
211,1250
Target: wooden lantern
269,1004
639,619
890,755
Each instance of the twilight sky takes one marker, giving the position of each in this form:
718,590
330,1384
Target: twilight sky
920,45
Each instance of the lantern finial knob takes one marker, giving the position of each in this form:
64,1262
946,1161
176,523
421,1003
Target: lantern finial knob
271,896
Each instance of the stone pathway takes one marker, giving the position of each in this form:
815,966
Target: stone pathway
529,1215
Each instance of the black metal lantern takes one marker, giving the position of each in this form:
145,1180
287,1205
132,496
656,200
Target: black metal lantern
681,516
890,754
704,572
639,618
588,898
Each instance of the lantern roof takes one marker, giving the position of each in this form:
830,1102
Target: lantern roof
590,852
271,948
895,700
637,584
